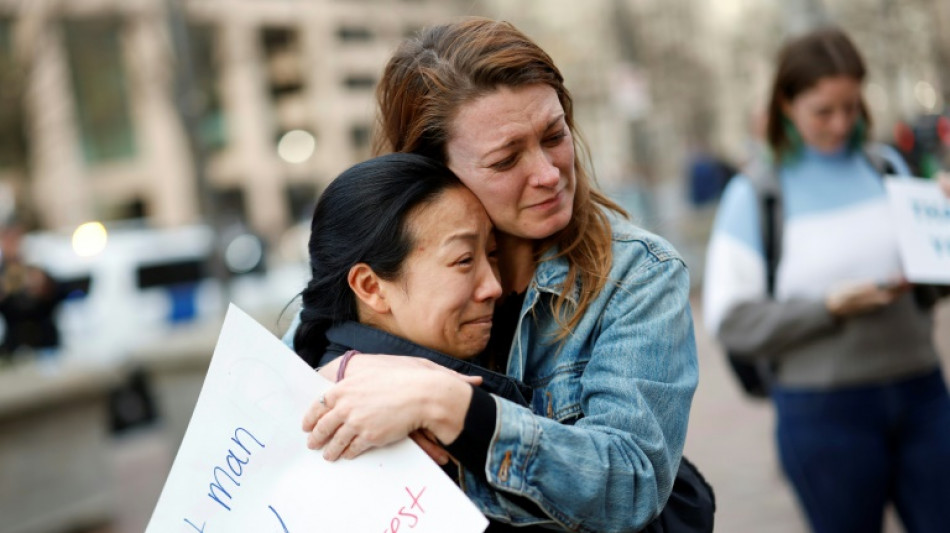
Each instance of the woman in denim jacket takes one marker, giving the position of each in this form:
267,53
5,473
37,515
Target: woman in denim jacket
595,320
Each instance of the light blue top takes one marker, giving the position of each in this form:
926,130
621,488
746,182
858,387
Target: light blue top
812,183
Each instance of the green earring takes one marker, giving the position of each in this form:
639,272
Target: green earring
794,138
858,134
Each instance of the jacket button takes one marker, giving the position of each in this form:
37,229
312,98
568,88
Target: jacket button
505,467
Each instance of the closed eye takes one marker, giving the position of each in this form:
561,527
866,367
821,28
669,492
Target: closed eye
555,139
505,163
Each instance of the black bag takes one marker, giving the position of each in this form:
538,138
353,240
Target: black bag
691,506
755,376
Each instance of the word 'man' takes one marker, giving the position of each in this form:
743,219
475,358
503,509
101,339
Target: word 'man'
235,461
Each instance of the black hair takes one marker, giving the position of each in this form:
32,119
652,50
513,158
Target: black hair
362,217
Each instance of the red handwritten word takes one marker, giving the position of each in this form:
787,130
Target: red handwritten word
404,514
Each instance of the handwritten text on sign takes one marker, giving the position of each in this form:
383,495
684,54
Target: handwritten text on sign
922,214
244,465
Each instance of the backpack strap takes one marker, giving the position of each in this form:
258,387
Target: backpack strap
874,153
768,191
756,377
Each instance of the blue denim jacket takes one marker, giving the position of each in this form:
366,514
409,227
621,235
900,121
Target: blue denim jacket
599,448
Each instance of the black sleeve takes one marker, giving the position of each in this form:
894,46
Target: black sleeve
471,446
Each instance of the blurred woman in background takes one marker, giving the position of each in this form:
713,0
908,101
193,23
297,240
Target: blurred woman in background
863,413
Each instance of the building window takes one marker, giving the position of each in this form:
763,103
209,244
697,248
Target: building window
301,199
282,55
354,34
229,204
12,137
99,84
212,125
130,209
359,82
360,136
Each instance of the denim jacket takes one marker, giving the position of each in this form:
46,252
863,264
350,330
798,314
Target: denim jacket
599,448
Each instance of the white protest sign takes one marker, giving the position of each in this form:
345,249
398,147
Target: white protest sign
922,215
244,464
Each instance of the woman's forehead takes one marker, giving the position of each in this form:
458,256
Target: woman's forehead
456,212
505,113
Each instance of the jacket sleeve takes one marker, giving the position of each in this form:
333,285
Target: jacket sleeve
612,470
765,328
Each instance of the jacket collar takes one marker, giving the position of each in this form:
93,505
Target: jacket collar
550,274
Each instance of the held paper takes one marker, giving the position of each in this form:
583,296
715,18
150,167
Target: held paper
922,215
244,466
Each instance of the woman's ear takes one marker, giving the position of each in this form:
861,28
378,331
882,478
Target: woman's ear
366,285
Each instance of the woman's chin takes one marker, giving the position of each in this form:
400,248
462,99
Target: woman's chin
470,348
832,147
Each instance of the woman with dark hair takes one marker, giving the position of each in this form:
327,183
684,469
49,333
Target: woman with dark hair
418,278
863,414
595,316
420,268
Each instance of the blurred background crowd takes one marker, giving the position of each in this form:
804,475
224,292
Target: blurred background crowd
160,158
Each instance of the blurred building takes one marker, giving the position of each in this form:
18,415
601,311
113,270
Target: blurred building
91,123
90,126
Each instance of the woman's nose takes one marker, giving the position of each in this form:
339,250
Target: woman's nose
545,173
842,123
489,286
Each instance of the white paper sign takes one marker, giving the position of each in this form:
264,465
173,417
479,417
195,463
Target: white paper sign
922,215
244,464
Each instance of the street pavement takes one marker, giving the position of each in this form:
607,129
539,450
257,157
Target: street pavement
730,441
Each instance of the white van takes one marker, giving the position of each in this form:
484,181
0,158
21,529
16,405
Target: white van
144,283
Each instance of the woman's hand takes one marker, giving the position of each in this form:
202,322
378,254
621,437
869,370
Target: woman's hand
382,400
429,444
863,297
943,180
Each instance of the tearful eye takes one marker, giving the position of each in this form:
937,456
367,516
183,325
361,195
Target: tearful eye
505,163
556,138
